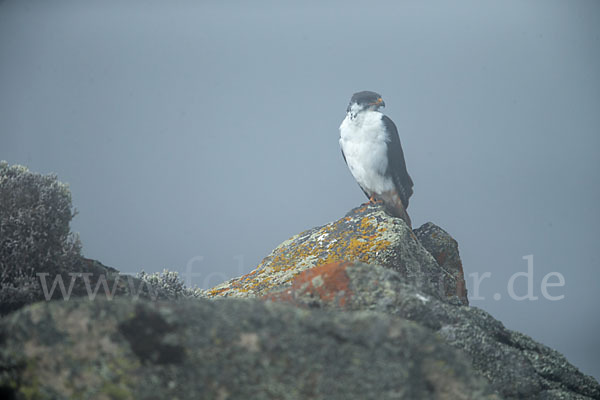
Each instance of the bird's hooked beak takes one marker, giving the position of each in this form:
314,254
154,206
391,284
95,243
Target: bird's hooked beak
379,103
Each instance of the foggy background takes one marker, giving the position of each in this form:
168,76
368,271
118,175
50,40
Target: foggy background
206,134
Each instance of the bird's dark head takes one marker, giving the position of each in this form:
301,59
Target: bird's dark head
365,101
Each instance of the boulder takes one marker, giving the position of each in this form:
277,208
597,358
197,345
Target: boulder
516,366
224,349
444,250
368,235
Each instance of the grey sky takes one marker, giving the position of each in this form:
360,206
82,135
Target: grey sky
191,129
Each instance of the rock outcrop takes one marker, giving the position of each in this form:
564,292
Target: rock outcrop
368,235
371,261
362,308
227,349
516,366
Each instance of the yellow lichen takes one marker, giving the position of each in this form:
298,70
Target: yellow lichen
344,240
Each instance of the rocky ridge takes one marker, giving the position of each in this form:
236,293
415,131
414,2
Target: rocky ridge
361,308
368,235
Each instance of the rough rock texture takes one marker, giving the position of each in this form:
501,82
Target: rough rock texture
322,325
228,349
86,278
366,234
515,365
444,249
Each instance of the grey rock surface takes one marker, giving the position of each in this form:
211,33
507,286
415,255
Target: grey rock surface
516,366
444,250
365,234
225,349
374,310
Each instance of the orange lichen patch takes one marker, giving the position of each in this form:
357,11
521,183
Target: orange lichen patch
365,223
461,290
460,273
441,258
328,282
361,245
355,238
216,292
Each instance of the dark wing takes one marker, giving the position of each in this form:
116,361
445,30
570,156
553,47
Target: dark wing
361,188
396,164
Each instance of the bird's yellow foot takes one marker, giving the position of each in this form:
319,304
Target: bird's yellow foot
370,202
373,201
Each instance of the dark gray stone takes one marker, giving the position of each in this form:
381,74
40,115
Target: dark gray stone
226,349
444,249
516,366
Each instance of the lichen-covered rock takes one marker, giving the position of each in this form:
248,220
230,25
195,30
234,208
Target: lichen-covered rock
356,331
228,349
366,234
515,365
444,249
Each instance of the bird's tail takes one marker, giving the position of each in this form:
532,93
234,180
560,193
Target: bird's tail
392,204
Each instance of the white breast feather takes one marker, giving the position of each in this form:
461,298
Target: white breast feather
363,140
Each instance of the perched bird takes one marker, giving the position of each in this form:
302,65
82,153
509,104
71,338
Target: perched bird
371,148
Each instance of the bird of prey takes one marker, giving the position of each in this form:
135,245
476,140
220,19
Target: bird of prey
371,148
